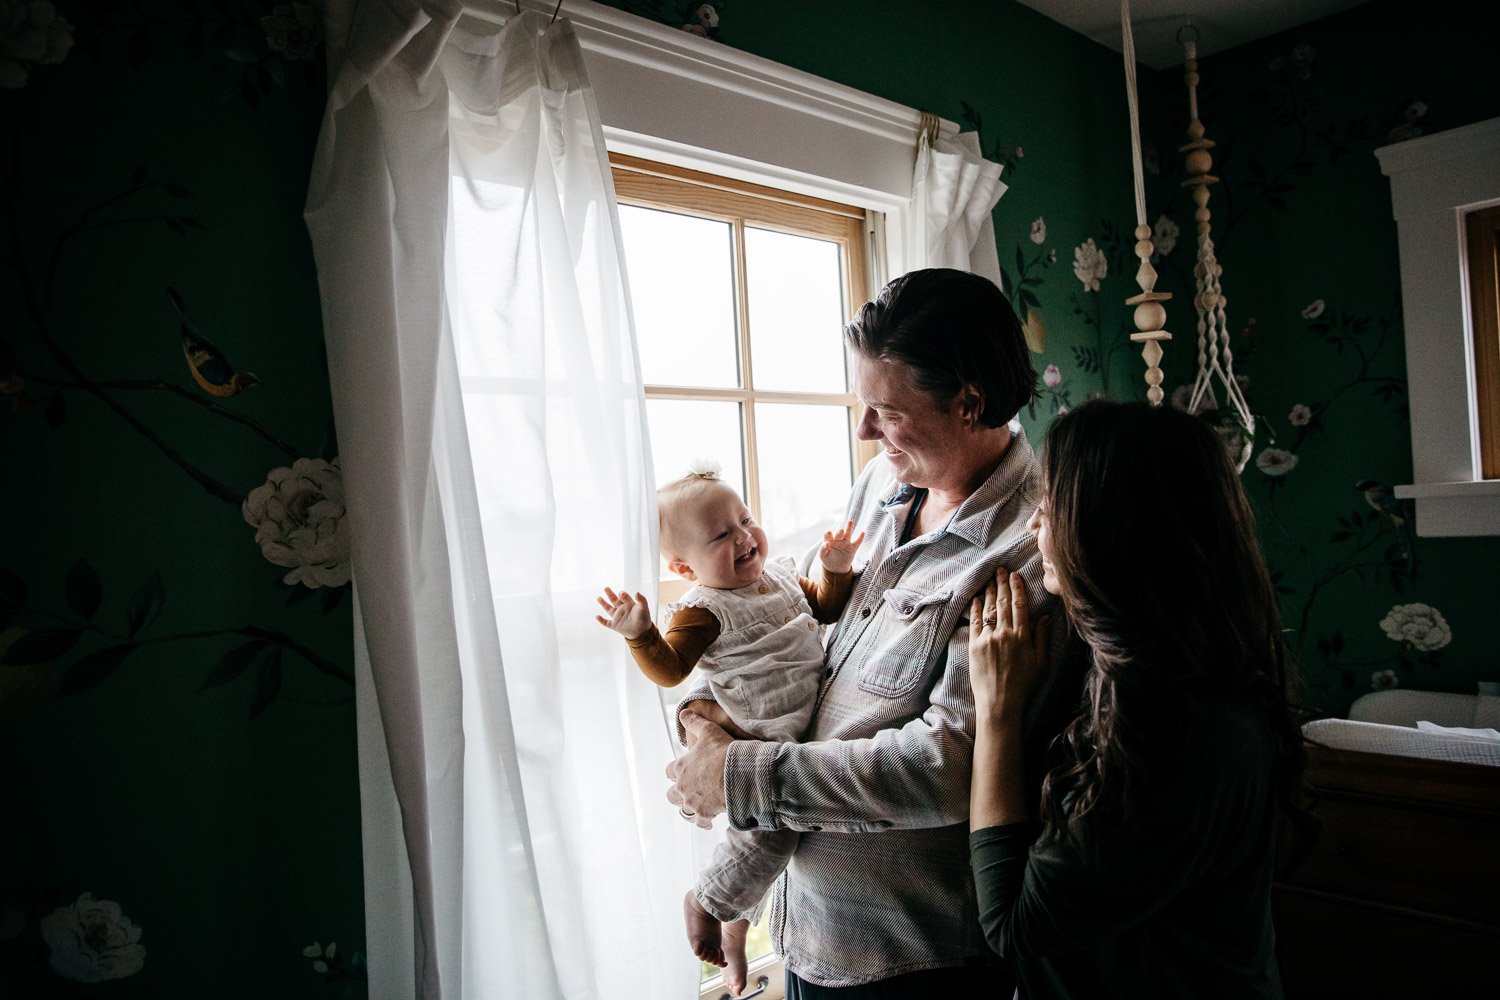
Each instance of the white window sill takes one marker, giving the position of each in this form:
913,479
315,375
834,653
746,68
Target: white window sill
1469,508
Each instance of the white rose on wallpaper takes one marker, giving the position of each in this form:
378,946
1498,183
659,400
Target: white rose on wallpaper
30,32
1039,231
298,516
1302,59
1276,461
1089,265
1383,680
1164,235
292,29
1420,626
91,941
1314,309
1052,376
706,15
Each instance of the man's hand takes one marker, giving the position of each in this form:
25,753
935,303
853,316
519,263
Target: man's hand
629,616
713,712
698,775
837,553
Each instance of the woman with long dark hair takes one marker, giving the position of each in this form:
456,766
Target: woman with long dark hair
1145,869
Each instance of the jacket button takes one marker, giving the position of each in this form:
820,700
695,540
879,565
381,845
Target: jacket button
811,627
785,619
865,613
764,589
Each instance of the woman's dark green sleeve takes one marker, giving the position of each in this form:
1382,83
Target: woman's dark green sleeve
998,854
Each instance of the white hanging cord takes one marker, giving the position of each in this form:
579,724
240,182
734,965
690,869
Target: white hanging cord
1150,315
1135,114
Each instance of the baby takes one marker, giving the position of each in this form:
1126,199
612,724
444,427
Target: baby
752,626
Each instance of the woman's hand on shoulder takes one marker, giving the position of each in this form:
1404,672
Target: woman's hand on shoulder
1007,650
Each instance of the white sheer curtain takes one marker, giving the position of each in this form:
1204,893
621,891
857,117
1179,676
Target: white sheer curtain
954,189
490,414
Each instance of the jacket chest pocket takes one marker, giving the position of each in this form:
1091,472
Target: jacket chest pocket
898,643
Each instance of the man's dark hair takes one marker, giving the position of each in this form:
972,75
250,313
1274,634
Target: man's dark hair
949,329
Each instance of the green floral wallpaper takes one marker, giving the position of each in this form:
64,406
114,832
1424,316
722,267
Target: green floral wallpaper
181,813
1302,222
179,795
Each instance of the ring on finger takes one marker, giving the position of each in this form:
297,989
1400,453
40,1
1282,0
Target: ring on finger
686,813
988,623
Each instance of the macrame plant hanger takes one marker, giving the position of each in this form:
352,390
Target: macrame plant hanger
1215,359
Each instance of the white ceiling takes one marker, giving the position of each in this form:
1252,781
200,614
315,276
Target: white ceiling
1221,24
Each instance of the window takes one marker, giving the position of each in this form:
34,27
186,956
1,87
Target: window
1438,183
1483,232
740,293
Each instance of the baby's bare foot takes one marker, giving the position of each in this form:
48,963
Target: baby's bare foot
703,932
735,967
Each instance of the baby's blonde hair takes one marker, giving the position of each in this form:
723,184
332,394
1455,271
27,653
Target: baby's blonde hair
673,496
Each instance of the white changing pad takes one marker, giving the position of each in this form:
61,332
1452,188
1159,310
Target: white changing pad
1401,741
1405,707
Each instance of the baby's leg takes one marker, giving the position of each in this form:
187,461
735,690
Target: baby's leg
731,887
736,967
718,944
703,932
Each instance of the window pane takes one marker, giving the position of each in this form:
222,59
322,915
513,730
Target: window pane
685,430
796,312
681,272
804,472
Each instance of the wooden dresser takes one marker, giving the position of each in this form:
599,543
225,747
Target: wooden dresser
1399,895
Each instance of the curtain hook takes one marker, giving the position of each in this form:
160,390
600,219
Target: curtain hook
555,11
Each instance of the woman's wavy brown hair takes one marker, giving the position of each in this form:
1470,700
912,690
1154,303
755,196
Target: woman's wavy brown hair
1162,577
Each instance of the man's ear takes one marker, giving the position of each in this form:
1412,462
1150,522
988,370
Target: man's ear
971,404
682,569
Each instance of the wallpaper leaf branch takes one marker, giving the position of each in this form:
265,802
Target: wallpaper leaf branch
162,674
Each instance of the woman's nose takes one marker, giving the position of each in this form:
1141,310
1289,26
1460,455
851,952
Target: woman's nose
866,429
1034,523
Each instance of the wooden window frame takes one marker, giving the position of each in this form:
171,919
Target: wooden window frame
1482,228
648,184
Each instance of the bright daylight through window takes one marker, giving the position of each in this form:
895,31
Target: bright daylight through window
740,294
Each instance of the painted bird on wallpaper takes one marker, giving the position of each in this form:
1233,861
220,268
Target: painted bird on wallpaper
211,370
1380,498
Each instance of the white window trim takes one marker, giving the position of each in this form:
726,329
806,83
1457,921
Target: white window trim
1434,181
668,95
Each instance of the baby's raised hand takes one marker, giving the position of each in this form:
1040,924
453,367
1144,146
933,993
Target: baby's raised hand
629,616
837,553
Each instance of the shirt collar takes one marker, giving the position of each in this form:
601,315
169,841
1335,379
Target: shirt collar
976,515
